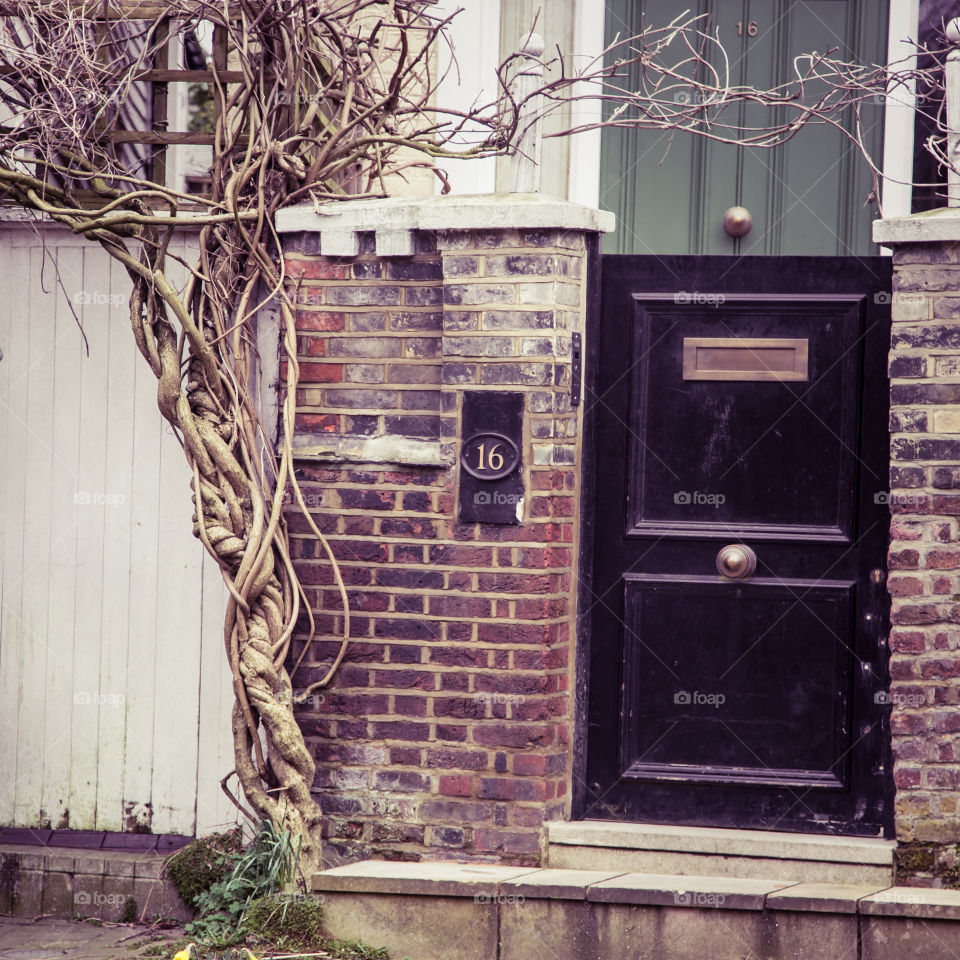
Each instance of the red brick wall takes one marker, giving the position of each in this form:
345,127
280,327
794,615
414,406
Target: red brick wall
447,729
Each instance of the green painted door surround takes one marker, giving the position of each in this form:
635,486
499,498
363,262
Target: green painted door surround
807,196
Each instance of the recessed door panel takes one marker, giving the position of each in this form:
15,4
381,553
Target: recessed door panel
755,434
737,683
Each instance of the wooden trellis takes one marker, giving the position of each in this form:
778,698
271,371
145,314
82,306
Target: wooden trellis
156,135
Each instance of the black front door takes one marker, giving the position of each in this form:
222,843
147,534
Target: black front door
740,410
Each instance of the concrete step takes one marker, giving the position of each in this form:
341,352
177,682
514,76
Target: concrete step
707,851
470,911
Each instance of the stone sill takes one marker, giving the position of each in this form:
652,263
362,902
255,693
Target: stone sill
715,841
339,448
393,220
488,884
931,226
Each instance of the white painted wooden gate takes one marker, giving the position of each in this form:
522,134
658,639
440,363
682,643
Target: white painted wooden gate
114,691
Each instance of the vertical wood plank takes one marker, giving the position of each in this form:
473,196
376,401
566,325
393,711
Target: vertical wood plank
180,593
116,558
92,484
141,584
35,571
215,752
13,373
61,588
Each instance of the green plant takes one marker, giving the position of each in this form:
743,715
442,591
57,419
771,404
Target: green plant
354,950
200,864
286,921
163,947
129,914
264,867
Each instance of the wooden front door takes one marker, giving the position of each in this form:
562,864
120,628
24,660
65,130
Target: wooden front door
740,409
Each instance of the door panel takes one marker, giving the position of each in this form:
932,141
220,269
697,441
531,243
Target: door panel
763,698
807,196
736,471
747,703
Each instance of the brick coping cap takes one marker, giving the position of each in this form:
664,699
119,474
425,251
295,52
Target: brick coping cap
390,215
488,883
931,226
770,844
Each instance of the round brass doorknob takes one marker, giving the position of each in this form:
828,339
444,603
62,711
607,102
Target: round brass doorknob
737,221
736,561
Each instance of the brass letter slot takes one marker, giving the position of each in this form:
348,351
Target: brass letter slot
744,358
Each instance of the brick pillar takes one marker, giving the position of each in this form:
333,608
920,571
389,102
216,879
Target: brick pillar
924,558
447,732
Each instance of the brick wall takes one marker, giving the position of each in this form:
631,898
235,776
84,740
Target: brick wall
924,560
447,730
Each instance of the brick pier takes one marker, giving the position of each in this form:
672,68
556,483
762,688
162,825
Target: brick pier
448,729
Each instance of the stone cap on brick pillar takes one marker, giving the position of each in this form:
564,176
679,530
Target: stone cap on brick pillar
393,220
940,225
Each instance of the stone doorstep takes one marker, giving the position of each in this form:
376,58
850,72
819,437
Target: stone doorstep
487,883
765,844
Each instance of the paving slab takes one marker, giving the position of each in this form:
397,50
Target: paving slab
822,897
441,878
60,939
728,893
919,903
551,884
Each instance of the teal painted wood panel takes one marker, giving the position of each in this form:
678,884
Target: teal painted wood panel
806,196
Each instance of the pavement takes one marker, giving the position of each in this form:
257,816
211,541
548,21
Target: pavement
48,939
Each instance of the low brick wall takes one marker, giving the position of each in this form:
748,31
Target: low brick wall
447,730
103,885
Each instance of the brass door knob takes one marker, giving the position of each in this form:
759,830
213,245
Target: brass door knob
737,221
736,561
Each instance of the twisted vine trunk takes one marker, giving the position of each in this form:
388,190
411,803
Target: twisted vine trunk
239,483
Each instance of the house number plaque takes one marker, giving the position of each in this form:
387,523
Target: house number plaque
491,478
489,456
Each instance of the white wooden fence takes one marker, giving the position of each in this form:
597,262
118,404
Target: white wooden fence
114,690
